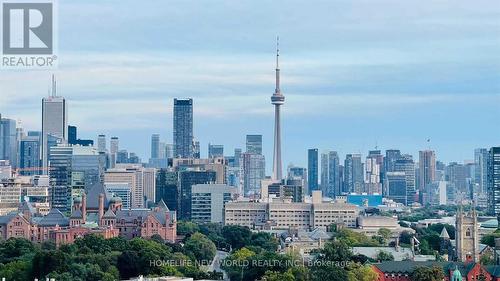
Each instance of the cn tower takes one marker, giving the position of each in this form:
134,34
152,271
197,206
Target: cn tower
277,99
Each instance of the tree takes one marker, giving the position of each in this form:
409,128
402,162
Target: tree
237,236
187,228
236,263
405,237
15,271
489,239
96,243
128,264
14,248
362,273
330,273
487,259
336,251
427,274
158,239
384,256
201,247
385,234
265,241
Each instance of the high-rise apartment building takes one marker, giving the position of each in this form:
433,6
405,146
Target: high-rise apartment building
312,167
183,128
373,172
493,181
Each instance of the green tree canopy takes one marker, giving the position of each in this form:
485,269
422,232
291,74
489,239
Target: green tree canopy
201,247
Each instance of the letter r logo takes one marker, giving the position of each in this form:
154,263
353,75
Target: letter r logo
27,28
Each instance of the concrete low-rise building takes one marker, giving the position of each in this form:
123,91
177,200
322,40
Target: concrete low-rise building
284,214
370,225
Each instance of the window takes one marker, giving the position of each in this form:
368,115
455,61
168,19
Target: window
467,232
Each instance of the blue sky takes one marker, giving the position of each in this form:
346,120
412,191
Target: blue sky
355,74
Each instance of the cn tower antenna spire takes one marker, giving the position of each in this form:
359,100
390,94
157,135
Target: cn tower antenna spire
277,52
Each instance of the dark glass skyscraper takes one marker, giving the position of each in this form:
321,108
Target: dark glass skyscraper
167,188
183,128
312,166
186,180
29,161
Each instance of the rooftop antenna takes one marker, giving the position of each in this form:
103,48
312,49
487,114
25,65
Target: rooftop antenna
53,85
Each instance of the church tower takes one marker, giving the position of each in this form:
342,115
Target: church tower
467,238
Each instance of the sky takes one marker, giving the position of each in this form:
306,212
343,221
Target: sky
356,74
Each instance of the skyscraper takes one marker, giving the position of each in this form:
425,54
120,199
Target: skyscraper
254,144
29,160
406,165
330,177
183,128
396,187
155,146
215,150
72,170
114,144
72,134
54,120
101,143
481,169
73,137
353,173
427,168
186,180
373,171
8,141
493,178
277,99
312,167
391,155
254,170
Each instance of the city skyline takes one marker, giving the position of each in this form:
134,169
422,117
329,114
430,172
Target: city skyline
396,92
